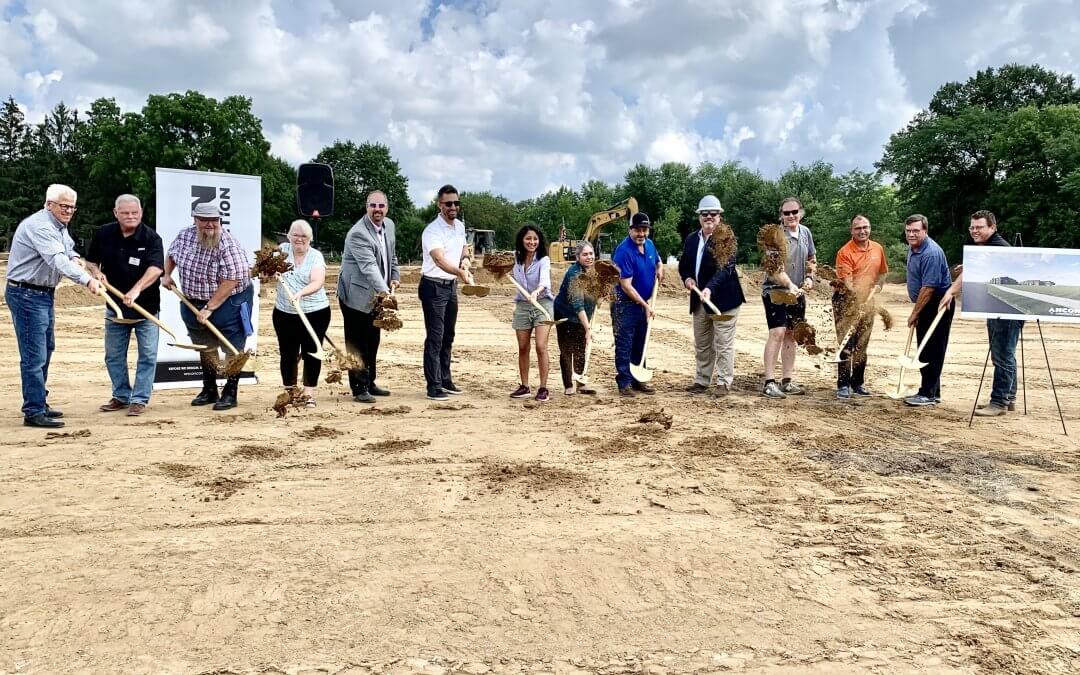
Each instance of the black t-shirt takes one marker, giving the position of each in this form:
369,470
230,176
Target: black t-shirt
996,240
124,260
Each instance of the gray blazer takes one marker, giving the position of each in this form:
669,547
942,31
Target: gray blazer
362,271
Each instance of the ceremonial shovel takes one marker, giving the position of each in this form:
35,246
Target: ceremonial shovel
318,353
782,296
548,321
913,362
238,359
583,378
900,382
119,318
718,316
154,319
472,290
638,370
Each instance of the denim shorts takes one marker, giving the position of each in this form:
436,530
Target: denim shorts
527,316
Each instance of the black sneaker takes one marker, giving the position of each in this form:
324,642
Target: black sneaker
437,395
452,389
364,397
861,391
376,390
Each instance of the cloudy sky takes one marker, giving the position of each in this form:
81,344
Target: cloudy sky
522,96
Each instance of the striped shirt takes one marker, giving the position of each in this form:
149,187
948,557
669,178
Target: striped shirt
537,276
203,270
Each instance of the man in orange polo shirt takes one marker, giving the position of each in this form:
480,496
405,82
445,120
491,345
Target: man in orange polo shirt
860,267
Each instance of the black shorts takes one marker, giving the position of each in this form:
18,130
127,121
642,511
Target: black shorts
783,316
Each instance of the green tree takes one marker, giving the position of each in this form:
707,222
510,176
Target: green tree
487,211
278,197
1038,158
665,233
942,161
358,170
17,185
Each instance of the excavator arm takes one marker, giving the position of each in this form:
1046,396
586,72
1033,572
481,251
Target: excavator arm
625,209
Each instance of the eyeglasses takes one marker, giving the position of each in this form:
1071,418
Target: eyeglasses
710,214
373,205
791,213
452,204
974,228
66,208
913,231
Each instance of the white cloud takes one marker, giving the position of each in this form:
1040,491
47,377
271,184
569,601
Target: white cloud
516,97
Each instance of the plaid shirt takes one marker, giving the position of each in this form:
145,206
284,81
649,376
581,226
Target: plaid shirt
202,271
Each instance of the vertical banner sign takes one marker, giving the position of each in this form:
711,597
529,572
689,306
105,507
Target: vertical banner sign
239,198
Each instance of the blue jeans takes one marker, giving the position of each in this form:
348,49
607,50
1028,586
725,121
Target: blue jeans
1003,336
34,319
117,338
232,319
628,322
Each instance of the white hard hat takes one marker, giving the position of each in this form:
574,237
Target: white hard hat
709,203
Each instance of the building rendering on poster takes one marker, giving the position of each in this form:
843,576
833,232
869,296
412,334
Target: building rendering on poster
1021,283
239,198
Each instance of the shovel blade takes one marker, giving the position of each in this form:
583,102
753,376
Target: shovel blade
581,379
721,317
640,373
123,321
321,355
902,395
910,362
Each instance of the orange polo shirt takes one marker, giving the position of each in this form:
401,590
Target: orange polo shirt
863,267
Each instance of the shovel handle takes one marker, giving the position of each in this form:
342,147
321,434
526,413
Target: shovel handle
303,318
708,303
210,326
929,334
531,299
135,306
907,348
649,323
110,302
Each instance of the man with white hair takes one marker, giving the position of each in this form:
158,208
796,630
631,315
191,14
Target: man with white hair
369,266
129,255
42,251
215,277
714,341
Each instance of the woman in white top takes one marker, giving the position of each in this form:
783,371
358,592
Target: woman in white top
532,271
304,281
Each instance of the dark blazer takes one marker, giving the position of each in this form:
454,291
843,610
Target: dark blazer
723,283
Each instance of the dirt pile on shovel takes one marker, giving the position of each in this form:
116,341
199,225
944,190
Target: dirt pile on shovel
773,245
386,316
597,282
269,261
723,245
499,263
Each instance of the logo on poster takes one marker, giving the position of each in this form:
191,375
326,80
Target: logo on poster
200,194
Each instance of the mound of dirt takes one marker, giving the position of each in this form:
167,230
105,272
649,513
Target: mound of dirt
396,445
53,435
223,487
177,471
656,416
534,475
320,431
717,445
451,406
70,295
258,452
785,429
610,447
392,410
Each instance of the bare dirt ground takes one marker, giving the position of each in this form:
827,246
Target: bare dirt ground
493,535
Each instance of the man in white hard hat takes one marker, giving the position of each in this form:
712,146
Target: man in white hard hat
714,341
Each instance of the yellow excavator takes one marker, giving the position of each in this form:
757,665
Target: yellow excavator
564,250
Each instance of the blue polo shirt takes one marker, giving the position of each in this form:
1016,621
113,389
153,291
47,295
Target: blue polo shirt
640,266
927,268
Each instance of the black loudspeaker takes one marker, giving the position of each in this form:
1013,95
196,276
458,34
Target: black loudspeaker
315,190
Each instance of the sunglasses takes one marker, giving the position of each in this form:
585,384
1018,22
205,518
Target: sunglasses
373,205
710,214
450,204
791,213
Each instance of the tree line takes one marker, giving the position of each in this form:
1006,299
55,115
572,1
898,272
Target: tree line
1007,139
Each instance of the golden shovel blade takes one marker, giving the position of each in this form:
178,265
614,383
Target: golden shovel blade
783,297
475,291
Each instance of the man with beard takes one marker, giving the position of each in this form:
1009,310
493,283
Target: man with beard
129,255
369,266
42,251
640,269
215,277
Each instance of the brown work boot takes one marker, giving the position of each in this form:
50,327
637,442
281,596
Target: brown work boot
643,388
136,409
720,390
113,405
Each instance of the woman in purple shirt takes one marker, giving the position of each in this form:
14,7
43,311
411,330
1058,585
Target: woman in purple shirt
532,271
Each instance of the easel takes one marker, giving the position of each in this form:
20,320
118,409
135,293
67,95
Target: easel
1018,241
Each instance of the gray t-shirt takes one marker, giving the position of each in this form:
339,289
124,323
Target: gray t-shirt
800,246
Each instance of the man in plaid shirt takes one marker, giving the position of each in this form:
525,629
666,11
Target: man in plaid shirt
215,276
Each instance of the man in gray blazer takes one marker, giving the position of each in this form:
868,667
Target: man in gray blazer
369,266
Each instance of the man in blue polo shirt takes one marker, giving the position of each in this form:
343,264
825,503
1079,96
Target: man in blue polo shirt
640,270
927,281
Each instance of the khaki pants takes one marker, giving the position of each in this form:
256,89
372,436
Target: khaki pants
714,343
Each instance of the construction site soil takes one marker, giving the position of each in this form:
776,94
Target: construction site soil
658,534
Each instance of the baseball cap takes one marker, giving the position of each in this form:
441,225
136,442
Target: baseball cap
640,220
